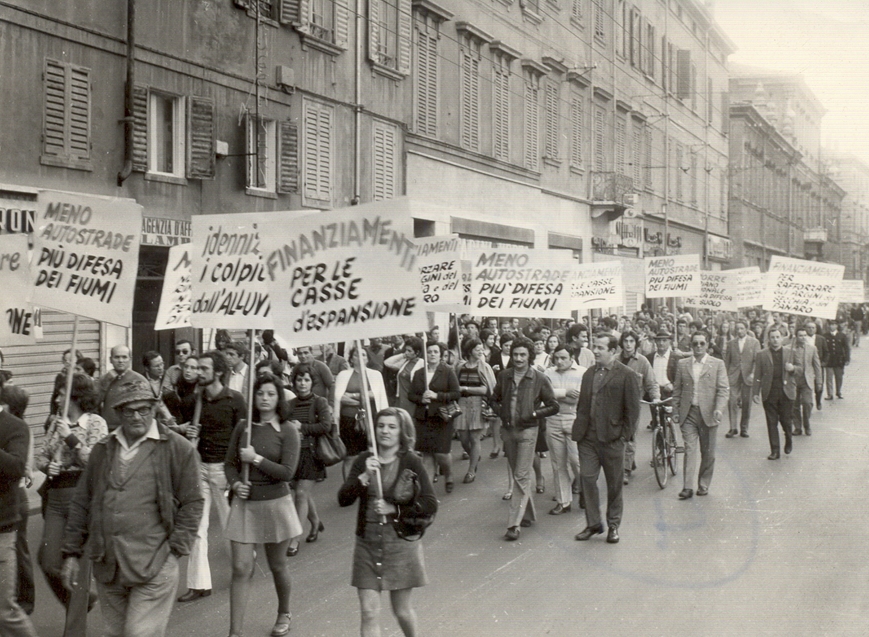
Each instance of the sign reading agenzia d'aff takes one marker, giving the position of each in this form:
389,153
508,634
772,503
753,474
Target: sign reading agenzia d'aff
796,286
677,275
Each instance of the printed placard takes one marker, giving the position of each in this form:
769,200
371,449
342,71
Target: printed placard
17,326
519,282
86,255
175,301
852,291
343,274
597,286
717,292
677,275
438,261
750,286
796,286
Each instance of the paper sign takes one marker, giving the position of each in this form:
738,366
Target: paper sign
175,300
343,274
438,261
717,292
597,286
750,285
86,255
852,291
677,275
17,327
796,286
519,282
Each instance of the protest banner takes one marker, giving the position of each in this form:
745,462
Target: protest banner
343,274
438,261
465,304
717,292
17,314
596,286
796,286
750,286
521,282
175,300
86,254
677,275
852,291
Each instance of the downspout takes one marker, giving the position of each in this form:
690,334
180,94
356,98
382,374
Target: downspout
357,107
127,170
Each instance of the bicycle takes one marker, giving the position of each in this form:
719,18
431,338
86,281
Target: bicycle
664,447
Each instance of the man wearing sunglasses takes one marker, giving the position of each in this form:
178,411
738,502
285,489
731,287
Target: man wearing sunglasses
183,349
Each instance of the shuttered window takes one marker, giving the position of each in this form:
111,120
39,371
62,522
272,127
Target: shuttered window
501,111
166,138
684,87
532,125
678,171
261,149
317,151
552,120
470,100
637,152
288,176
426,63
694,177
636,36
599,20
384,161
621,144
651,40
576,11
576,117
647,156
200,138
389,34
599,137
66,135
319,21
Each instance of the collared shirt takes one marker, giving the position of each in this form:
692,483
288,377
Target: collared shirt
566,380
237,378
696,370
811,340
129,451
741,343
660,366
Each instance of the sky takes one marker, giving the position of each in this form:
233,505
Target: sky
827,42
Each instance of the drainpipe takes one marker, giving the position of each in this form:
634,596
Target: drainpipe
357,106
128,93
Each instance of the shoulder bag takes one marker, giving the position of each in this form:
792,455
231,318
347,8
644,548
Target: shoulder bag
409,527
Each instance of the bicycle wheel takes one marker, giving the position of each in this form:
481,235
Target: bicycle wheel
671,449
659,456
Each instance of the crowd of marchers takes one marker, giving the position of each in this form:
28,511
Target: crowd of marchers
134,462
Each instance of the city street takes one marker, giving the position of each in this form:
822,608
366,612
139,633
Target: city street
776,548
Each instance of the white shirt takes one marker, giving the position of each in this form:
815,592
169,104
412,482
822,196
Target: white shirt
696,370
741,342
659,365
811,339
571,379
236,379
128,451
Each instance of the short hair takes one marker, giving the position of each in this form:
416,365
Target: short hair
441,347
507,337
702,333
527,344
774,328
218,360
474,323
485,334
298,370
275,367
406,427
575,330
468,345
283,409
612,341
742,321
237,347
801,328
609,322
148,356
415,343
184,341
84,392
88,365
561,346
628,334
16,400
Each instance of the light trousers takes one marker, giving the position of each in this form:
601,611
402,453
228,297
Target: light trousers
519,446
563,454
212,482
14,622
142,610
699,444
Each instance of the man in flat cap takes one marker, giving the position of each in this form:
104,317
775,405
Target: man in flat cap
139,503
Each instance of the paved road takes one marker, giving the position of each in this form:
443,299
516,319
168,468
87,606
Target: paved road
777,548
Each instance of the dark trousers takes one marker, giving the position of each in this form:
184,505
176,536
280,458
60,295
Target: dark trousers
609,456
837,374
26,589
778,409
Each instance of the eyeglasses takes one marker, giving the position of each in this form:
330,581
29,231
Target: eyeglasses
129,412
182,351
699,343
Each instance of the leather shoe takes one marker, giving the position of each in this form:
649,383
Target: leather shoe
684,494
559,509
702,491
789,445
613,536
315,532
525,523
292,550
587,532
774,456
731,434
808,431
798,432
194,594
744,434
512,534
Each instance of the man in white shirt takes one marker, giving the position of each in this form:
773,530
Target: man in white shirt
566,379
238,369
663,362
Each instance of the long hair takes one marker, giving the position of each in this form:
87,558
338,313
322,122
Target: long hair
283,409
84,392
299,370
406,428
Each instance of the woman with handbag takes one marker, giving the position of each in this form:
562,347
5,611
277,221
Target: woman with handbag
262,509
476,382
435,410
406,364
313,417
382,560
348,406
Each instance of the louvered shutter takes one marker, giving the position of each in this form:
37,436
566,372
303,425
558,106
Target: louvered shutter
288,11
79,112
54,123
599,31
683,71
576,11
532,123
576,116
140,128
599,121
318,151
637,153
67,116
249,145
384,161
288,178
241,4
342,23
501,113
621,142
470,101
551,121
374,30
427,84
200,138
647,156
297,13
405,27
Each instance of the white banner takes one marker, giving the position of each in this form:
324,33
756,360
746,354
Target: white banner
717,292
852,291
521,282
438,261
17,326
597,286
677,275
175,301
796,286
750,286
343,274
86,255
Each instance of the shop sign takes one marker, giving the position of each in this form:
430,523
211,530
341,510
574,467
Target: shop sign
718,248
16,215
159,231
657,239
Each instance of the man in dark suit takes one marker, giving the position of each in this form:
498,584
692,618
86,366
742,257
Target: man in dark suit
739,361
838,356
699,397
606,415
775,374
813,338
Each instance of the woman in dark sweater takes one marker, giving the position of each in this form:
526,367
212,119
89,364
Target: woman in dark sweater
313,417
262,510
382,560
